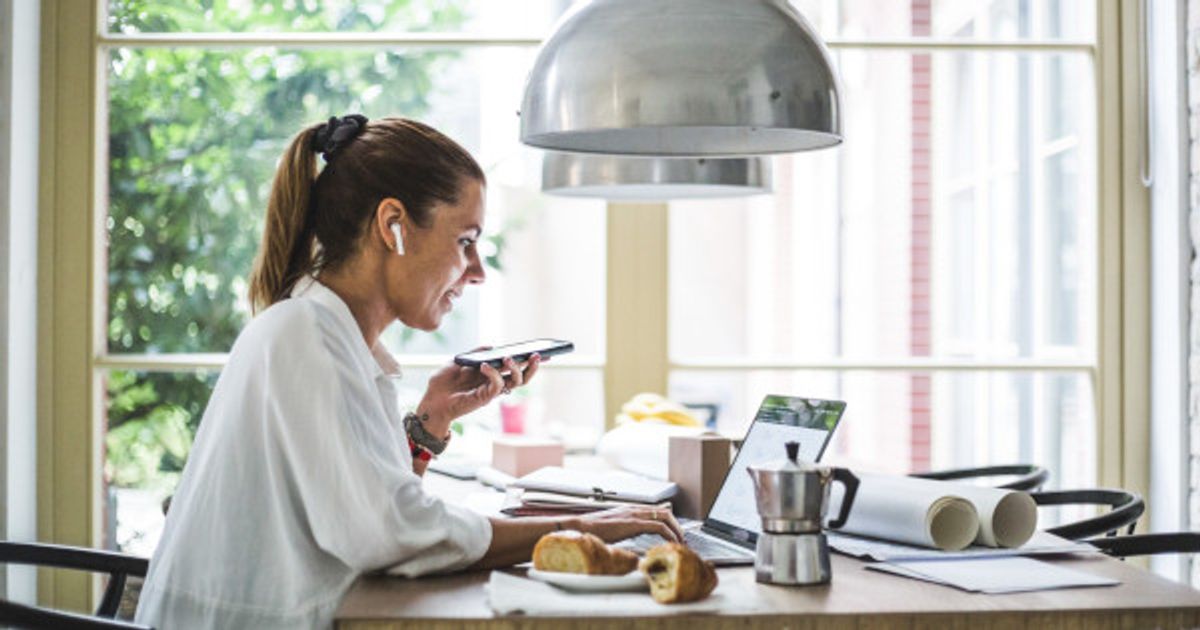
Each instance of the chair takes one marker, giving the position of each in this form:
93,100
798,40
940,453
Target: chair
118,566
1127,508
1148,544
1027,477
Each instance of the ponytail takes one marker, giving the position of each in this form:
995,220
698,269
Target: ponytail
286,254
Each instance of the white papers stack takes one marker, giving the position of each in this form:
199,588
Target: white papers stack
869,549
937,514
509,594
615,484
994,575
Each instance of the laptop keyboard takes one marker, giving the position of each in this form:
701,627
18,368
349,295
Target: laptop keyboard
706,547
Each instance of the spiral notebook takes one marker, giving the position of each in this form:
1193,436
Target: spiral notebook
599,485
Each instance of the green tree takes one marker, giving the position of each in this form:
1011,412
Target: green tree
194,135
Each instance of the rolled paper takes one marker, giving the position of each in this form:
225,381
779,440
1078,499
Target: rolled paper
937,514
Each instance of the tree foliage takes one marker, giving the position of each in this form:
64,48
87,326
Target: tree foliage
194,136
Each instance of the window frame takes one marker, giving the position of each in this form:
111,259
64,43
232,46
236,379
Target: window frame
72,347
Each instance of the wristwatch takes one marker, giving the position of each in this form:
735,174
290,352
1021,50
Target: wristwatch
415,427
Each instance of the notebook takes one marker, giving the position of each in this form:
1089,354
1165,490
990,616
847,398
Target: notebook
601,485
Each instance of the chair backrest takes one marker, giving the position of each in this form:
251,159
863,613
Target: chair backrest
1025,476
117,565
1127,508
14,615
1148,544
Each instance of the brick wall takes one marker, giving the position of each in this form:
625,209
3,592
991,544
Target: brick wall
920,385
1193,70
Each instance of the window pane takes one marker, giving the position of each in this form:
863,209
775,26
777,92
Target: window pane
945,225
532,18
967,19
194,137
150,421
900,422
970,19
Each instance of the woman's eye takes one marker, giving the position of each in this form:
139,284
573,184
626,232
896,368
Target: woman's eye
466,242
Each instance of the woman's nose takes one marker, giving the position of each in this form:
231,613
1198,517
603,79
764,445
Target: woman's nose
475,273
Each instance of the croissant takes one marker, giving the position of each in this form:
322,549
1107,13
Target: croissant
576,552
676,574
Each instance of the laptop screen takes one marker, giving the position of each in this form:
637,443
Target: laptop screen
780,419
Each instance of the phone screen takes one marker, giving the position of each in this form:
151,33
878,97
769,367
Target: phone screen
520,351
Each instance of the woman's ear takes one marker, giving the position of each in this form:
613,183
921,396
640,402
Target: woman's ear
390,223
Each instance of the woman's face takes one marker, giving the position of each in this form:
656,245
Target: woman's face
441,259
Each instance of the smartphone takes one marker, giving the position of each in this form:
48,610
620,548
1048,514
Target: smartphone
518,351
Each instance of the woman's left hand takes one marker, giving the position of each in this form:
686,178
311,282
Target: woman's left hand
457,390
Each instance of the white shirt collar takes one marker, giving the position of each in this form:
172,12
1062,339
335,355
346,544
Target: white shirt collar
310,288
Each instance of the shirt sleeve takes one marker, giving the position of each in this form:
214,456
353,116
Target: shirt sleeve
350,474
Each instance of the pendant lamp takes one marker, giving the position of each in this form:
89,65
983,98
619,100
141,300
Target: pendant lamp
621,178
682,78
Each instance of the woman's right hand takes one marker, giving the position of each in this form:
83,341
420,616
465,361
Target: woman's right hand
628,521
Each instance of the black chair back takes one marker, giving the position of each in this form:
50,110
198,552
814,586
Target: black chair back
14,615
1026,477
118,566
1148,544
1126,508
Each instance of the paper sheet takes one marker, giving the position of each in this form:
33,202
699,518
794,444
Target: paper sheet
995,575
509,594
937,514
870,549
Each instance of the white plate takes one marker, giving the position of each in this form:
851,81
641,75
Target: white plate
632,581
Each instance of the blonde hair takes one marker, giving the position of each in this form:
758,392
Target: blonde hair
315,220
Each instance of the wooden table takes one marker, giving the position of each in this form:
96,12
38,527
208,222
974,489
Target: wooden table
857,599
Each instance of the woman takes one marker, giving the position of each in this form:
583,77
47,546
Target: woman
302,476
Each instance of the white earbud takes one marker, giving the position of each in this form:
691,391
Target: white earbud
399,239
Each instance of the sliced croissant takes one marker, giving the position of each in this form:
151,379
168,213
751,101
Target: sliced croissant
576,552
676,574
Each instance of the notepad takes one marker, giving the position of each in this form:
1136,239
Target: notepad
610,484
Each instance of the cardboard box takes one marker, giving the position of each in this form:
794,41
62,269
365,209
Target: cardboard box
519,455
697,464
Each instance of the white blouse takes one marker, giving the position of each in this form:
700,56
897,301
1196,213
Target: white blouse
300,479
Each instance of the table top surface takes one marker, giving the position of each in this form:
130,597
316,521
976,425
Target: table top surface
855,590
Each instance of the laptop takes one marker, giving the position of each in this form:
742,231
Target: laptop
729,531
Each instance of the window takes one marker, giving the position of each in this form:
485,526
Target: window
194,131
954,226
944,270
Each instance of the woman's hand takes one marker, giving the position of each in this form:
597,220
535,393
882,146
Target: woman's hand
628,521
457,390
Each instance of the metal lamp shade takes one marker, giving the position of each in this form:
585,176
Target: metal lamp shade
621,178
682,78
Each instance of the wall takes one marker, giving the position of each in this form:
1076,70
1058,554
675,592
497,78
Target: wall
19,77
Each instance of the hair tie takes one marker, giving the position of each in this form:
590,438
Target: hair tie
336,133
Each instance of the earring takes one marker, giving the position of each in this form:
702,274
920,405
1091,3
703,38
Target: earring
399,239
